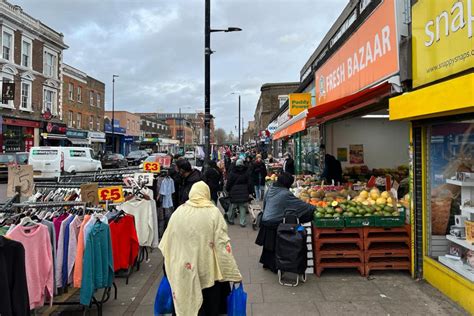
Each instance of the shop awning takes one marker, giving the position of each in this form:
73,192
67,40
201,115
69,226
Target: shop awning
292,126
79,141
53,136
343,106
97,140
455,96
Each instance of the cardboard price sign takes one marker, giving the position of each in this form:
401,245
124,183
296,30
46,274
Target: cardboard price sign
89,193
114,194
20,176
164,161
151,167
144,178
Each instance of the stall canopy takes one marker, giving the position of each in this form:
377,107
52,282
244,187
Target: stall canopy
353,102
292,126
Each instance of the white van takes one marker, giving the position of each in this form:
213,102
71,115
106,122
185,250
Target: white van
50,162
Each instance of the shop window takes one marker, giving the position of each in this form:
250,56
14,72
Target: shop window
49,101
26,52
91,122
450,194
79,94
7,40
25,96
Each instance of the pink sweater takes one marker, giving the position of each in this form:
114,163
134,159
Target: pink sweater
38,261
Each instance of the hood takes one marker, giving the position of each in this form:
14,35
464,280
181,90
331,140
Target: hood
194,176
276,190
200,195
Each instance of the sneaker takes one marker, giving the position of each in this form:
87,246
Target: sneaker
227,220
243,225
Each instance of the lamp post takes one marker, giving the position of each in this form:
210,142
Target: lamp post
113,112
240,143
207,76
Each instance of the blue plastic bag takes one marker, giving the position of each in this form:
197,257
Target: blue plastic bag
237,301
164,298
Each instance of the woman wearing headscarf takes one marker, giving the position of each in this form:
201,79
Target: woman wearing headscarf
198,256
276,202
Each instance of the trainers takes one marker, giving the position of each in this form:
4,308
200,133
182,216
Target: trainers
243,225
227,220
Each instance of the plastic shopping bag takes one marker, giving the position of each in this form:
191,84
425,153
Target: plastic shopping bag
164,298
237,301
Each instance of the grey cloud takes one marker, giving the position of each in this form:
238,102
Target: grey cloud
157,47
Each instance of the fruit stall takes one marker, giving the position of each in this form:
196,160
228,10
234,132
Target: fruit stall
362,229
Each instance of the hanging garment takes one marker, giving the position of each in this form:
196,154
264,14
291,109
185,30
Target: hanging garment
167,190
64,275
39,263
124,242
57,225
52,237
14,299
60,251
196,258
72,247
143,213
77,278
98,262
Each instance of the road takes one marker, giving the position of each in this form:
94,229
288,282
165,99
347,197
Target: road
3,192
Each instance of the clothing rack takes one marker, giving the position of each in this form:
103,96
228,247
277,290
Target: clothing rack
106,293
72,185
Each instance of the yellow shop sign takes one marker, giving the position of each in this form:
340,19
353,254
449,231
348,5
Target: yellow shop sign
299,102
442,39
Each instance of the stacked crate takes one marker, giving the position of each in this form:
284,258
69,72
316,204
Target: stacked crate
338,248
309,244
387,248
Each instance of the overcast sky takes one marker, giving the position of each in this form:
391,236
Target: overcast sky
156,47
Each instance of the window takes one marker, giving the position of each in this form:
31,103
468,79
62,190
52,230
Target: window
71,91
91,98
70,118
49,63
79,94
91,122
8,79
7,39
49,101
98,100
79,120
25,96
98,123
26,52
128,124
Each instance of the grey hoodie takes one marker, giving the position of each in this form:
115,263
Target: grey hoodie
279,199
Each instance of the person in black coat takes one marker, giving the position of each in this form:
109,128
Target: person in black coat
258,173
213,178
189,176
239,187
289,164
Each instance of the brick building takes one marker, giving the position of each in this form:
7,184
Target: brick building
31,59
194,121
83,107
155,133
269,102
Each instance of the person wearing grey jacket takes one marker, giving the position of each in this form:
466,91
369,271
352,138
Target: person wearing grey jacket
277,201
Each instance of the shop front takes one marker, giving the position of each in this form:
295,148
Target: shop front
77,138
114,141
18,135
150,144
54,134
127,144
97,141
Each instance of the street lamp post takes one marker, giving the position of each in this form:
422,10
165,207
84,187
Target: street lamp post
207,77
240,143
113,112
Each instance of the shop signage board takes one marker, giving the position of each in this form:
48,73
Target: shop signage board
442,39
112,193
368,57
22,176
299,102
164,161
76,134
144,178
283,117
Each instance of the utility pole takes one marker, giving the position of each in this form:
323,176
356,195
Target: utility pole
113,112
240,143
207,82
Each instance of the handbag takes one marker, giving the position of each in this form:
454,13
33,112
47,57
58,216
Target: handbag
164,298
237,301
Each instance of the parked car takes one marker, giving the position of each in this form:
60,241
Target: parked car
149,151
51,162
189,155
114,161
136,157
5,161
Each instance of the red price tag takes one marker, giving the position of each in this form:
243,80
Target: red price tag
151,166
164,161
114,194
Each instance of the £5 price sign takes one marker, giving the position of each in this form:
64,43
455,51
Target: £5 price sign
114,194
151,167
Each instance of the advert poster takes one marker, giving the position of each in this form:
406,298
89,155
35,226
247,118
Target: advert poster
356,154
342,154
